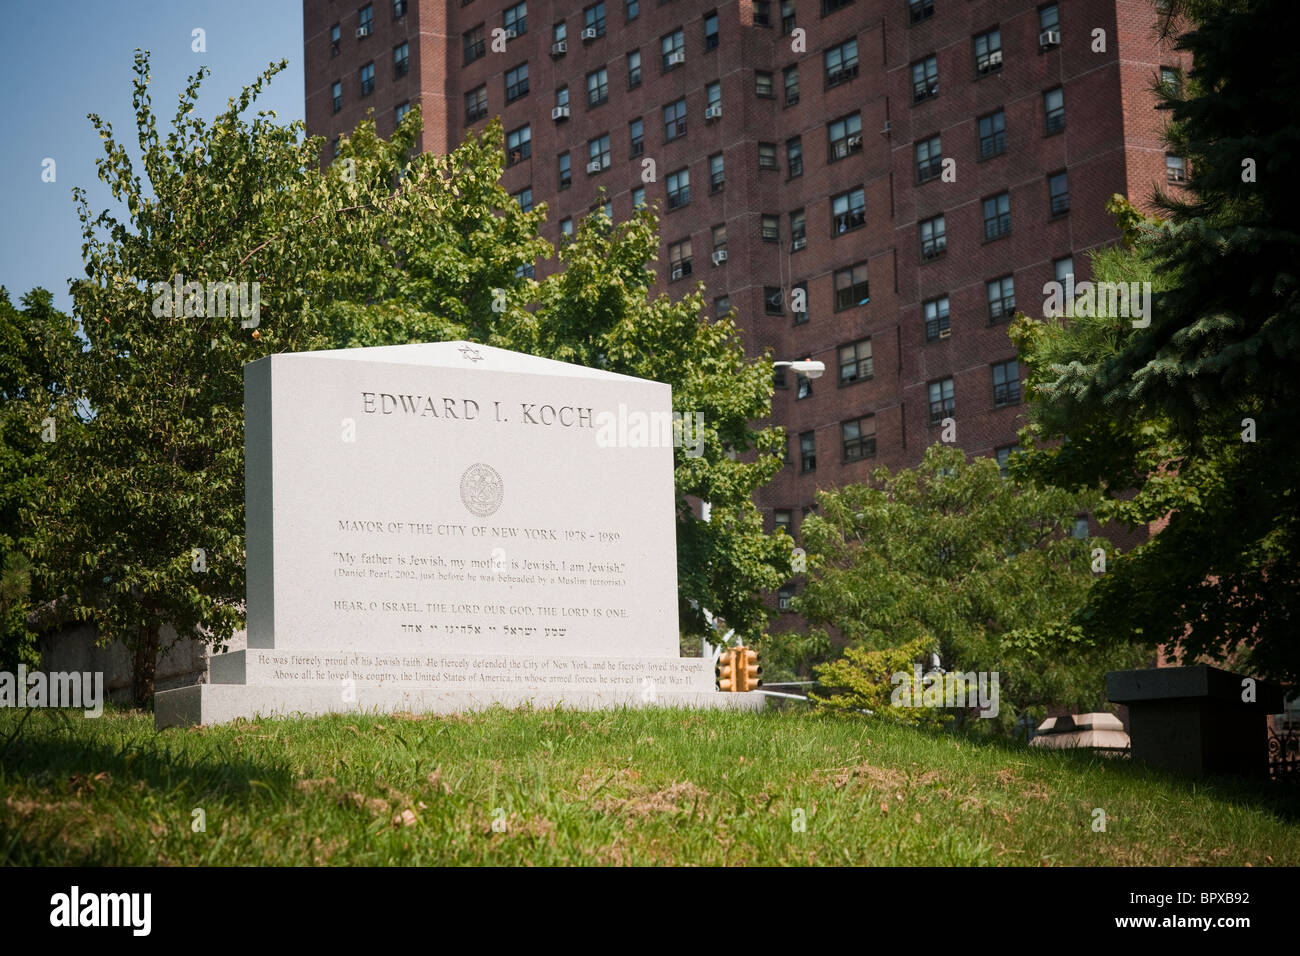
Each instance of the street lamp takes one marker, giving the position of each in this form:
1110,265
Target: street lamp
804,367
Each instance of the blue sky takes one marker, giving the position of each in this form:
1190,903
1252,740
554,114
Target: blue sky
64,60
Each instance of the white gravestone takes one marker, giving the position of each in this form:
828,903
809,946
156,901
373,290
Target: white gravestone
440,527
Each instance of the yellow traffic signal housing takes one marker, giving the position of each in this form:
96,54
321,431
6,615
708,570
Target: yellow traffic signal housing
751,671
726,669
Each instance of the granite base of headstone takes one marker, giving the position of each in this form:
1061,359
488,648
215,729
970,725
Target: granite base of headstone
448,527
1197,721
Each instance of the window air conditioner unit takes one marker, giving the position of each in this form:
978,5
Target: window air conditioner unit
855,141
589,33
559,48
713,112
363,32
511,34
797,244
889,128
594,166
678,272
560,112
719,256
677,57
995,58
1048,39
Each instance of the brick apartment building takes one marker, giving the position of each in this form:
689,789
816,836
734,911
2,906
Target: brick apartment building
800,151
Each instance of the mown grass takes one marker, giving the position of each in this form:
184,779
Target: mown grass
618,787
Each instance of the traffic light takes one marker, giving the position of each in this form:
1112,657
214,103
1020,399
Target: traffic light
751,671
726,669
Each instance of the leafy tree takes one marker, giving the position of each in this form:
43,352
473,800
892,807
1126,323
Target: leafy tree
952,555
147,527
37,345
1199,413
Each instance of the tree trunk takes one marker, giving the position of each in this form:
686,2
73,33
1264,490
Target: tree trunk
146,663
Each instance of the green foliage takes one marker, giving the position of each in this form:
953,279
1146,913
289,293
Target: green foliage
1167,411
953,555
37,345
862,680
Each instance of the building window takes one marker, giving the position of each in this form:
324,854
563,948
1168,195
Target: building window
858,438
929,159
841,63
802,386
770,227
785,595
597,87
366,20
631,9
636,136
335,34
934,237
675,120
794,156
830,6
762,13
851,287
562,97
1175,168
1170,83
1080,528
1063,267
476,105
475,44
919,10
337,92
1003,455
634,69
367,79
773,300
808,451
1049,18
848,211
721,306
767,156
787,17
1006,383
997,216
790,79
798,231
598,154
566,170
1058,189
720,238
638,198
401,111
337,145
399,9
856,362
711,32
679,188
993,135
1002,299
713,96
593,18
525,199
941,400
781,520
559,34
401,60
845,137
925,79
516,19
516,82
1054,110
519,145
763,87
717,173
672,50
679,259
988,52
566,232
525,272
936,319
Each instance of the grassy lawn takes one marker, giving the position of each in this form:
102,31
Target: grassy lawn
633,787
